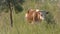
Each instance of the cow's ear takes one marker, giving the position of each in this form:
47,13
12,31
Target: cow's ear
47,12
28,10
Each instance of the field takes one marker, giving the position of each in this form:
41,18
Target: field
20,26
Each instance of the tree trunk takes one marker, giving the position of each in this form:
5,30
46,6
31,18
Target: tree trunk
11,19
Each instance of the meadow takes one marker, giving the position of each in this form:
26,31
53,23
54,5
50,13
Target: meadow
20,26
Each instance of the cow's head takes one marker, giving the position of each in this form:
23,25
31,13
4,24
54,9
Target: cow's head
43,14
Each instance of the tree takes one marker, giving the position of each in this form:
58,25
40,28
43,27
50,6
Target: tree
9,5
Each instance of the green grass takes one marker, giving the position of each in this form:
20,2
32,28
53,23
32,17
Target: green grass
20,26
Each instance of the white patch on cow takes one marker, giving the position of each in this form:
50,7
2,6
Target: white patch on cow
26,15
37,10
41,17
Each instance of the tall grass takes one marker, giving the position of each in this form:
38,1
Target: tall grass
22,27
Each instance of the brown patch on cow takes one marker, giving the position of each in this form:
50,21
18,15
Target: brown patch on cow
30,15
33,16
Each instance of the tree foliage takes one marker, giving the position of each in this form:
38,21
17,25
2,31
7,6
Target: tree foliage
16,4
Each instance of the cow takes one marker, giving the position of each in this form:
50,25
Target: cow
35,15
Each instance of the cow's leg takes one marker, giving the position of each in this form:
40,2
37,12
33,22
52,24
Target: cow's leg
33,20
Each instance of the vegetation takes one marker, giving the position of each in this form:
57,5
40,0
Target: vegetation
10,4
50,26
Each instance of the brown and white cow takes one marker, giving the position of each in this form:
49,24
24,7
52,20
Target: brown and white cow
35,15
